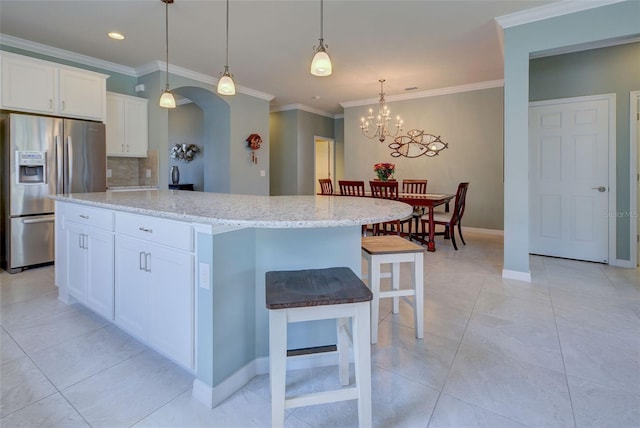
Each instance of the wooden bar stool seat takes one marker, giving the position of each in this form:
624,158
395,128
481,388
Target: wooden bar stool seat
379,250
317,294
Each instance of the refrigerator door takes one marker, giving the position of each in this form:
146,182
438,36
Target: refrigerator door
85,148
32,240
36,134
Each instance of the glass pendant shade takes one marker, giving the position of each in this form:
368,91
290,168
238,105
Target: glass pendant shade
226,85
321,63
167,100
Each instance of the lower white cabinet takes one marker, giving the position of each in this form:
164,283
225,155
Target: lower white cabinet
89,259
154,298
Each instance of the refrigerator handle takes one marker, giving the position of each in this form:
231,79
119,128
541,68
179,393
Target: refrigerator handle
69,164
59,154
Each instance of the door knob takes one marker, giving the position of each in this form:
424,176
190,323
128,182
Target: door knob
600,188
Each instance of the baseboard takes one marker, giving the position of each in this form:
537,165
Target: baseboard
517,275
495,232
211,397
623,263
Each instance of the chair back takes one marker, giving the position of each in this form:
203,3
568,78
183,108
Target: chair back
351,188
384,189
414,186
461,196
326,186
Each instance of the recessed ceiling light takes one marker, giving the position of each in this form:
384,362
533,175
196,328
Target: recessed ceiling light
115,36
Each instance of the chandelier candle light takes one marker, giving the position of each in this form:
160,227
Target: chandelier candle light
381,121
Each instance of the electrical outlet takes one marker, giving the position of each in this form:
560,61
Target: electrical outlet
263,173
148,173
108,173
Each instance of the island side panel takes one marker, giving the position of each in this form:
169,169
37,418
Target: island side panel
296,249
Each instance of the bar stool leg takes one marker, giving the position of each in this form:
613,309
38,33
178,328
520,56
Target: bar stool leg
395,277
343,349
374,284
277,364
362,357
418,299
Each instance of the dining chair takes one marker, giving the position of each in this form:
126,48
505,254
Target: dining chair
388,190
450,219
351,187
326,186
416,187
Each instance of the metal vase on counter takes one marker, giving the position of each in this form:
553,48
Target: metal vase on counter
175,175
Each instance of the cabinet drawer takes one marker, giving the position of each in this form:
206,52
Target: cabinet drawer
95,217
171,233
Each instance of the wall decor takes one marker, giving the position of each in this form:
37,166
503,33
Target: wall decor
417,143
253,142
184,152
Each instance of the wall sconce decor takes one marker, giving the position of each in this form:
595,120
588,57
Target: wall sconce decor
184,152
253,142
416,143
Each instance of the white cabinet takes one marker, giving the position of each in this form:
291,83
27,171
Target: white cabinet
89,259
154,285
127,125
37,86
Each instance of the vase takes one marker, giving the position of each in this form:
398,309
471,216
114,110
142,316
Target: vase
175,175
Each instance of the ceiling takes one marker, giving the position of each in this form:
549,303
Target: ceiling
424,45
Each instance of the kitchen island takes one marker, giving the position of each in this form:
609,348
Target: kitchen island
184,272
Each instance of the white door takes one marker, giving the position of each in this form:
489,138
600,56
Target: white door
324,164
568,176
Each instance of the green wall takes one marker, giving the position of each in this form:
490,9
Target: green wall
470,122
186,127
613,21
598,71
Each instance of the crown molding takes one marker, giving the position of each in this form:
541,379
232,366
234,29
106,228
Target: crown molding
551,10
39,48
584,47
151,67
302,107
426,94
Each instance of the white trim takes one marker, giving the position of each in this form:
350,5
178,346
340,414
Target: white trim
287,107
623,263
430,93
584,47
517,275
549,11
611,100
634,98
494,232
142,70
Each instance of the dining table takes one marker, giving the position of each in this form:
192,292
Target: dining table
428,201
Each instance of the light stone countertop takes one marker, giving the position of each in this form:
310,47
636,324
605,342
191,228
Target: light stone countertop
247,210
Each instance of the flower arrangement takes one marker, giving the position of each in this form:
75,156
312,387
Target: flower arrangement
184,152
384,170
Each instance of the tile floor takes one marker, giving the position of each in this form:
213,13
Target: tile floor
562,351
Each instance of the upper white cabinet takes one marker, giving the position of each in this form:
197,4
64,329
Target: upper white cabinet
127,125
37,86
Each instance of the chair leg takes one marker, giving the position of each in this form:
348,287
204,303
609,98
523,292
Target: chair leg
460,233
395,281
342,325
453,238
446,232
277,364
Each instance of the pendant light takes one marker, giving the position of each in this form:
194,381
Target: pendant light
321,63
166,99
225,84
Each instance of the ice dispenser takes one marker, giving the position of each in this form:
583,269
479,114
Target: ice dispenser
32,167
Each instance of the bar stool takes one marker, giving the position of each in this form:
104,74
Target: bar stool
317,294
378,250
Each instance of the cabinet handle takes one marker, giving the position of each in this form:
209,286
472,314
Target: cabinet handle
144,229
63,106
147,262
86,217
122,147
85,241
80,240
140,259
50,104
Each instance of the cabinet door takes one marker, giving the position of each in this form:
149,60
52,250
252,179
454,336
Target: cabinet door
28,85
172,301
115,125
99,290
131,287
136,127
76,260
81,94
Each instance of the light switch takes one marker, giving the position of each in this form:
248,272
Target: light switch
148,173
263,173
108,173
204,275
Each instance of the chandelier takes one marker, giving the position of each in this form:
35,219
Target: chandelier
381,123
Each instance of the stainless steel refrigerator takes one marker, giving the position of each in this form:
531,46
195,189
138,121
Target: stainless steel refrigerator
42,156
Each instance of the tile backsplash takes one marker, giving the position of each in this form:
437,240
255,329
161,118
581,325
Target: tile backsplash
133,171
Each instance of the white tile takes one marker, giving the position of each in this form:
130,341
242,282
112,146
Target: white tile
19,313
51,412
451,412
22,384
9,349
